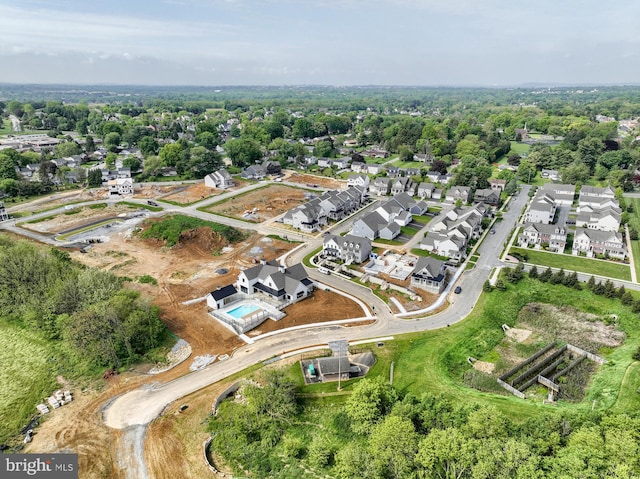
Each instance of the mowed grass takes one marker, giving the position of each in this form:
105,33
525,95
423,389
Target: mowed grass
434,361
519,148
634,222
608,269
26,375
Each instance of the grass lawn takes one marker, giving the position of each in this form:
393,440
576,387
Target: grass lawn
370,160
576,263
435,361
407,164
5,126
634,222
408,230
423,220
26,376
519,148
424,253
389,242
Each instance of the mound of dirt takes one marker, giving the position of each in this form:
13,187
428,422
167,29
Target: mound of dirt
202,239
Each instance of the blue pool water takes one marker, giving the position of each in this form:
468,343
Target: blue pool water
243,310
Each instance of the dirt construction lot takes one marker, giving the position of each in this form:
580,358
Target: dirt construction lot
262,204
198,191
184,272
320,181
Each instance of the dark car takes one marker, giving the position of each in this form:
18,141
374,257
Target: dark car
458,290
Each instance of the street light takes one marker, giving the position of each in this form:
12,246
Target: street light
340,346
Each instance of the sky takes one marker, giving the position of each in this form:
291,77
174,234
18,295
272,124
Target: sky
320,42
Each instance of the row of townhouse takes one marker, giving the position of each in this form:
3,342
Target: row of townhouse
450,235
385,222
597,222
331,205
219,179
539,235
594,242
598,209
546,201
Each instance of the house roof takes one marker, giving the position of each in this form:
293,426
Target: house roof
224,292
334,365
430,267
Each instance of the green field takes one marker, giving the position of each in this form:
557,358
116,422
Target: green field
27,376
608,269
634,222
434,361
5,126
407,164
519,148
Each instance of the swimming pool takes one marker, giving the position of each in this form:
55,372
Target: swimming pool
242,311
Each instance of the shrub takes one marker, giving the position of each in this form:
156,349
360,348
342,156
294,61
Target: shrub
147,279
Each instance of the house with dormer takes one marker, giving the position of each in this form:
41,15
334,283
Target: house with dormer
348,248
540,235
456,193
594,242
400,185
380,186
425,190
429,274
284,284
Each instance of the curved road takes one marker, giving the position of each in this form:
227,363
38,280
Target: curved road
141,406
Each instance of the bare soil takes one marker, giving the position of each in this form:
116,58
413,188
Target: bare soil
192,193
518,335
321,181
78,218
484,366
267,202
93,194
184,272
320,307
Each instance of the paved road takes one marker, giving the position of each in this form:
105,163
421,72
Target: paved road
142,406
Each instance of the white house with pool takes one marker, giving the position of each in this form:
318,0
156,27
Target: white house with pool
260,292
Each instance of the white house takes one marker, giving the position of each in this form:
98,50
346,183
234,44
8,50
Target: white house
120,186
429,274
219,179
358,180
535,234
594,242
348,248
285,284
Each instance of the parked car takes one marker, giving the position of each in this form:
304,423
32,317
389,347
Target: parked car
458,290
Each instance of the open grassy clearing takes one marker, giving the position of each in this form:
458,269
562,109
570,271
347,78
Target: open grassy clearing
634,222
407,164
576,263
435,361
27,376
519,148
5,126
